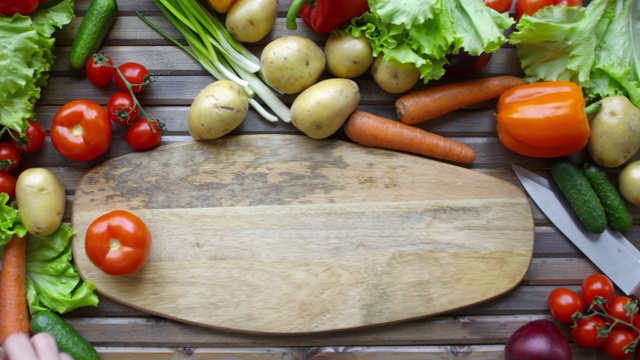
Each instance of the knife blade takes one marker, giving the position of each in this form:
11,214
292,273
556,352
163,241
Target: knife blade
610,251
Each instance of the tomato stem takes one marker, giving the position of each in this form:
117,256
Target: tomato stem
136,103
114,244
101,59
600,303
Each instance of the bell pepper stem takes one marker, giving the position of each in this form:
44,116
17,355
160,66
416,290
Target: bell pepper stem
591,109
293,12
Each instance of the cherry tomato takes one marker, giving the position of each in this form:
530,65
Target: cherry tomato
563,303
500,6
636,323
137,76
9,156
24,7
585,333
122,109
597,285
99,70
118,242
530,7
33,138
463,64
615,344
81,130
144,136
8,184
622,308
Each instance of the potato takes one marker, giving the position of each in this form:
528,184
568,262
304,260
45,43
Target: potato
41,201
393,76
348,56
292,63
216,110
320,110
251,20
615,132
629,182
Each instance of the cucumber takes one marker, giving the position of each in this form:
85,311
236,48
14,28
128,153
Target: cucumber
617,213
67,338
93,29
580,194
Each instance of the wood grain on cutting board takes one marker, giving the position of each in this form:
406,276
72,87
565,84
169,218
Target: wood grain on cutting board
285,234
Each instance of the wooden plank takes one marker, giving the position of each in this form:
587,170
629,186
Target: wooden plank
452,352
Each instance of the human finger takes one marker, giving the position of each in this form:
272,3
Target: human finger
65,356
18,346
45,346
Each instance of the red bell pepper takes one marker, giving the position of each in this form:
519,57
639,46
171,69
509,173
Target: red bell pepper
324,16
23,7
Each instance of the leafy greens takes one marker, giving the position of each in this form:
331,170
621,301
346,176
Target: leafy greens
52,281
596,47
26,57
424,32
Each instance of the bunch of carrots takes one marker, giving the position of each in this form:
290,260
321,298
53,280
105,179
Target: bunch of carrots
14,312
416,107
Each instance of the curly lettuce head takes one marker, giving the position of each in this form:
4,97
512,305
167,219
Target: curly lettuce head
26,57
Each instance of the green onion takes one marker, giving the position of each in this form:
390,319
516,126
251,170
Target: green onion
219,53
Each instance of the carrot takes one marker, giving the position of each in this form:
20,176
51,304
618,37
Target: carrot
14,312
372,130
427,104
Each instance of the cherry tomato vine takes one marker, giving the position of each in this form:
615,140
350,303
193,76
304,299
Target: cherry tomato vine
610,323
124,107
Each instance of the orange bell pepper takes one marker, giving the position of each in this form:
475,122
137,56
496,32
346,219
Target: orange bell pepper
544,119
221,6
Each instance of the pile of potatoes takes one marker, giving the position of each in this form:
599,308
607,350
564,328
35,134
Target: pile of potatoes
293,65
615,139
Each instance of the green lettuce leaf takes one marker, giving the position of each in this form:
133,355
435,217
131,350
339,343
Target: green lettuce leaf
596,47
26,57
52,280
10,222
616,69
425,32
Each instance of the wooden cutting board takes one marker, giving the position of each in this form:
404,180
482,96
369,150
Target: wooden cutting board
285,234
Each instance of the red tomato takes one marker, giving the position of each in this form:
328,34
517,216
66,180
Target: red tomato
122,109
615,344
585,333
500,6
622,308
563,303
33,138
24,7
136,75
118,242
530,7
144,135
636,323
9,156
8,184
99,70
81,130
597,285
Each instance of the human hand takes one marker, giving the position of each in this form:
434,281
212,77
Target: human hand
41,346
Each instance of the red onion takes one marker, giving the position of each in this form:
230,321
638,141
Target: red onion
537,340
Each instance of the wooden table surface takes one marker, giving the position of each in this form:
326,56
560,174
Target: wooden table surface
476,332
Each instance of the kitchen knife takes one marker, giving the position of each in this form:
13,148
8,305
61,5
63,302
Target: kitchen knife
610,251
